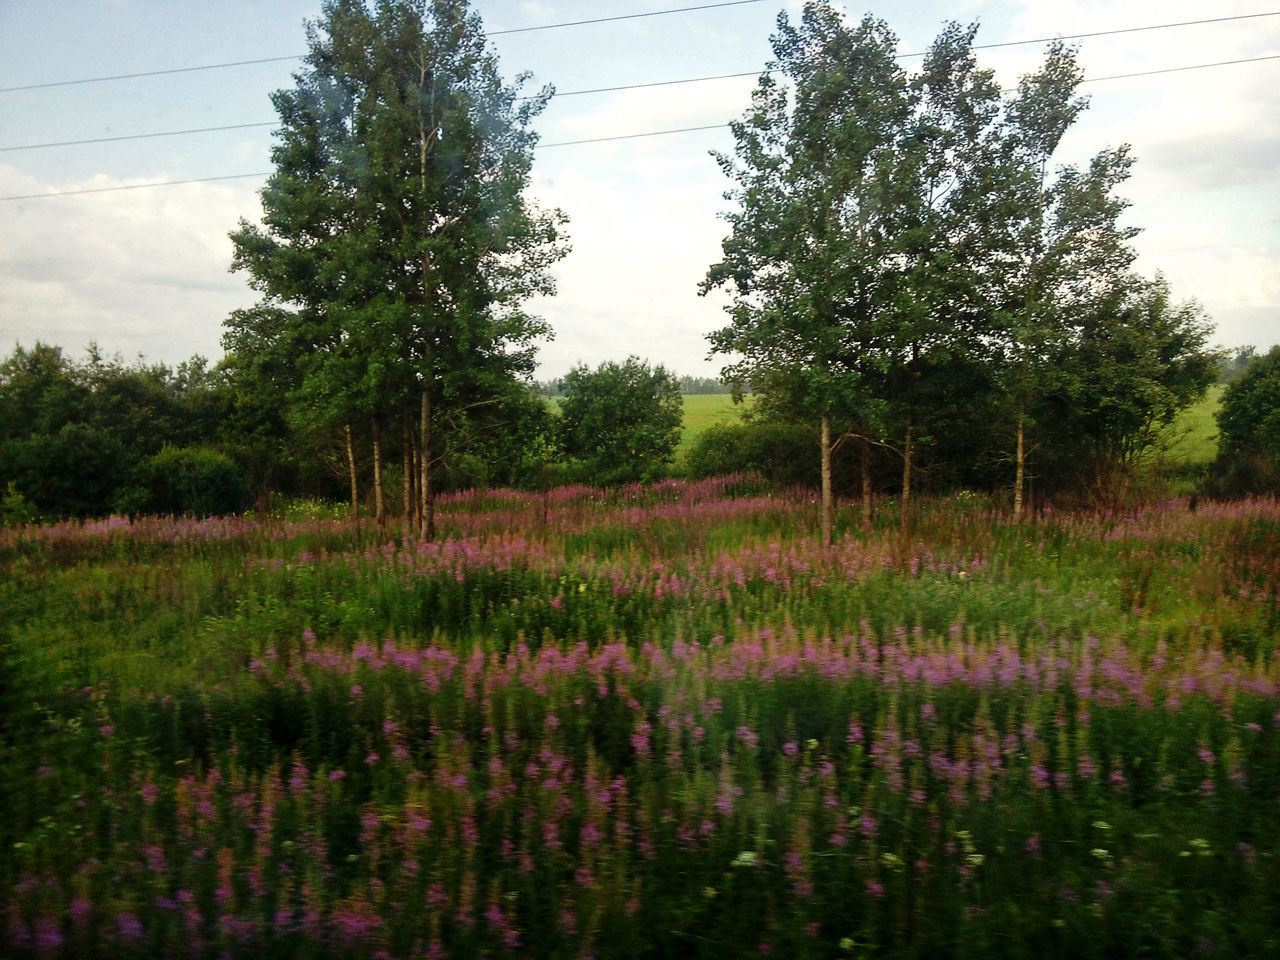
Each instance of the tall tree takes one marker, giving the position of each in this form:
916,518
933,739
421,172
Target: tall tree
950,198
1061,236
811,260
397,239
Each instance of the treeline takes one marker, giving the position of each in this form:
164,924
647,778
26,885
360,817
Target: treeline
914,273
99,436
689,386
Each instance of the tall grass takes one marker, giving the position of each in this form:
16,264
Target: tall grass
649,722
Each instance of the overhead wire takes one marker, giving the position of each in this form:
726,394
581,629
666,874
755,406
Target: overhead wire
656,83
299,56
618,88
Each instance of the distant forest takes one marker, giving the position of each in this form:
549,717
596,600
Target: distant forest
688,386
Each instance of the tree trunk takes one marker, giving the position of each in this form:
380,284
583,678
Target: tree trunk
426,501
1021,464
351,465
864,447
406,470
379,505
827,508
906,474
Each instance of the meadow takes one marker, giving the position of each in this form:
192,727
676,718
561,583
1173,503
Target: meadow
648,722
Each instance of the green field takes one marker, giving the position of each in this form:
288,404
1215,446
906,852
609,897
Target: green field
703,410
655,722
1192,438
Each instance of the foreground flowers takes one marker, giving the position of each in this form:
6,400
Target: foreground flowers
745,745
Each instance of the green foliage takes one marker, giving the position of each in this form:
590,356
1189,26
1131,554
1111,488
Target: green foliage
1130,368
1249,428
782,453
193,481
74,471
621,422
908,269
398,249
15,509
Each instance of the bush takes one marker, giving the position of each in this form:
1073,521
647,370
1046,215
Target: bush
784,454
72,472
620,423
1249,429
194,480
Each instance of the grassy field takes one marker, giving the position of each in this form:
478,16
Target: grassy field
703,410
1192,438
653,722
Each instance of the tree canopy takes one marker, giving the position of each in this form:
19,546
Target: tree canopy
398,247
901,253
621,422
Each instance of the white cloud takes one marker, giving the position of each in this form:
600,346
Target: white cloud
141,270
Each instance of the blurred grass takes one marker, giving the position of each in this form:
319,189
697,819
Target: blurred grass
1193,437
703,410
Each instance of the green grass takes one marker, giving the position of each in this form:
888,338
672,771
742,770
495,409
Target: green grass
1193,437
703,410
644,723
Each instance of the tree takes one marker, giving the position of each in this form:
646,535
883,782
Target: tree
1065,254
950,197
812,259
397,247
1249,428
621,422
1133,362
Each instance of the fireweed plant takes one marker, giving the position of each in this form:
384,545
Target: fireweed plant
657,721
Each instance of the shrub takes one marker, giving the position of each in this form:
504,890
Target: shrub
1249,429
620,423
194,480
784,454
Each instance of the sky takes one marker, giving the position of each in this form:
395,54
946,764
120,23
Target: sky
145,271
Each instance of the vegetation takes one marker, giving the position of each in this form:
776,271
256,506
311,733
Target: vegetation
1249,427
738,714
398,247
620,423
907,268
649,722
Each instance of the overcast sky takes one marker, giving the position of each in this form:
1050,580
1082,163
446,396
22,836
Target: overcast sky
146,270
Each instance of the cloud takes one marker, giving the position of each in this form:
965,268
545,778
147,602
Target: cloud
641,244
142,270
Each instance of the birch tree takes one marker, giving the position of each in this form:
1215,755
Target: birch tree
397,232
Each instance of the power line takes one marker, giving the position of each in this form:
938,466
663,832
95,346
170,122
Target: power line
135,186
141,136
615,89
640,86
299,56
1109,33
543,146
1194,66
629,16
629,136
